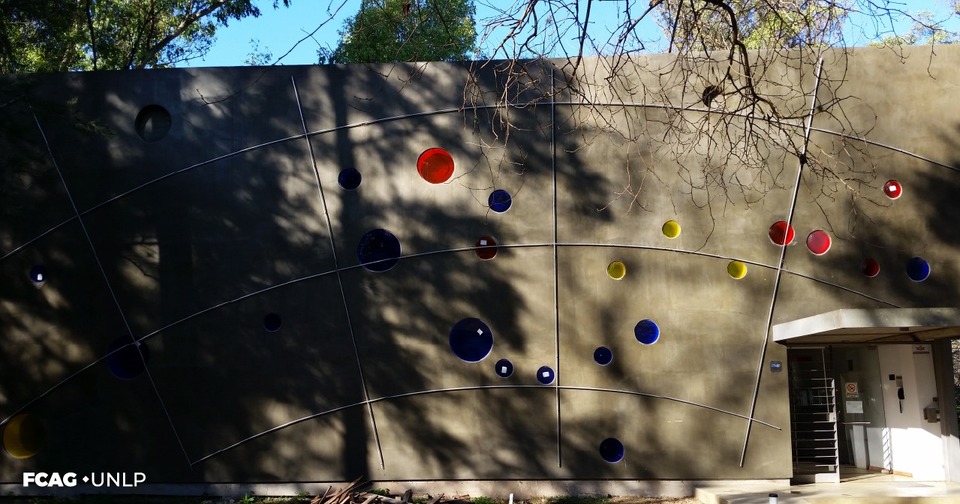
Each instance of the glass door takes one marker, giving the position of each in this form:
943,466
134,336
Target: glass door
864,442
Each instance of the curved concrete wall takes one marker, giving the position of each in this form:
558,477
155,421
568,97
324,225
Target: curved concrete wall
228,221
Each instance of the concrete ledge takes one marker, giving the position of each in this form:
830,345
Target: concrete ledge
492,488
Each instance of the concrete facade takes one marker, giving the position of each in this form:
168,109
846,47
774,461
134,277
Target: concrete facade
213,243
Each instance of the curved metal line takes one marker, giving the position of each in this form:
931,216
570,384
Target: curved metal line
516,245
886,146
475,388
448,111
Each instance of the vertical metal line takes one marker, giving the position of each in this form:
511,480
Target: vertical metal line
106,280
556,261
336,265
783,252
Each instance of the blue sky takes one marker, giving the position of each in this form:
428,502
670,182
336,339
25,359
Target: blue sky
278,31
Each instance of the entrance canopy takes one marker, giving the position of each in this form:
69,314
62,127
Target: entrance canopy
873,326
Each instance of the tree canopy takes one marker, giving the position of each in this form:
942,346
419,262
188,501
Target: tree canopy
66,35
407,30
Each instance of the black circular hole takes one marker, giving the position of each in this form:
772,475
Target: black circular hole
379,250
153,123
349,179
545,375
127,359
38,274
611,449
271,322
503,368
471,339
603,355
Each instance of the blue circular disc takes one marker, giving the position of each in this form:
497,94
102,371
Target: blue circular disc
611,449
271,322
503,368
38,274
124,359
499,201
918,269
603,355
646,332
379,250
349,179
545,375
471,340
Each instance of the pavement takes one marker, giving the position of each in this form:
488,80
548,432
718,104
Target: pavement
872,491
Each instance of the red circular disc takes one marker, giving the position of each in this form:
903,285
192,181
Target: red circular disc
486,248
892,189
435,165
870,267
818,242
781,233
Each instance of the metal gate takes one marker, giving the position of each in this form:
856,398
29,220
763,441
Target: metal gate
813,417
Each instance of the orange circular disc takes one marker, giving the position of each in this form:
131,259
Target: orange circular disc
435,165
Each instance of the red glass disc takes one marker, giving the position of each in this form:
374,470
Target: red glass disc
818,242
435,165
781,233
486,248
892,189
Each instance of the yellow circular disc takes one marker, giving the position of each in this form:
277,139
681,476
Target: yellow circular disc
617,270
671,229
737,269
23,436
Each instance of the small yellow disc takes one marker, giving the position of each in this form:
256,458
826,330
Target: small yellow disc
737,270
671,229
617,270
23,436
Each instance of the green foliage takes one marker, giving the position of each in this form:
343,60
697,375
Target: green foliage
707,25
57,35
924,30
247,499
485,500
387,31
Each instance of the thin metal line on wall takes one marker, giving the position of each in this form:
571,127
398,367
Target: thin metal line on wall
450,111
113,294
418,393
801,162
313,276
336,265
556,259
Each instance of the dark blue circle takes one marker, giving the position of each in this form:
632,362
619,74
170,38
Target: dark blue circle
611,449
503,368
545,375
379,250
349,179
646,332
603,355
918,269
38,274
272,322
124,359
471,340
499,201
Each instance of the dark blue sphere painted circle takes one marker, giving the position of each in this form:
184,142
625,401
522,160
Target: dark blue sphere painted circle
918,269
471,340
611,449
503,368
38,274
272,322
349,179
646,332
603,355
499,201
379,250
124,359
545,375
